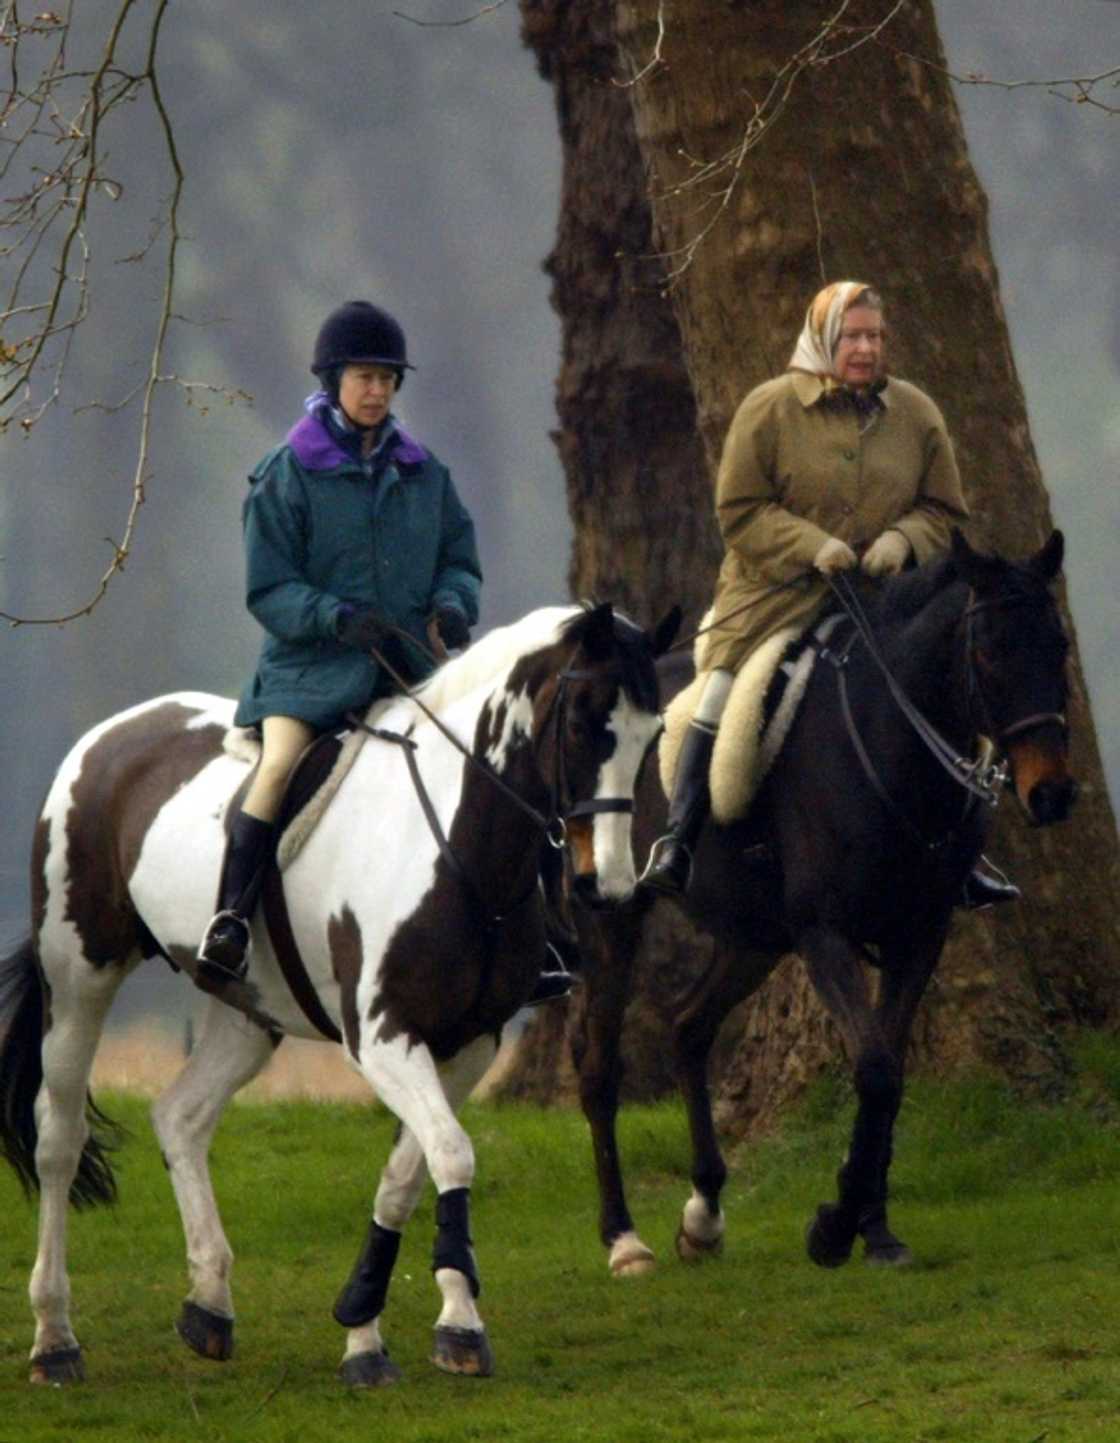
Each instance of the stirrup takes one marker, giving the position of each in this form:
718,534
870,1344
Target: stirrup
552,982
990,888
223,955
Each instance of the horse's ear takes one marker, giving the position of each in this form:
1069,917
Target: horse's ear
664,633
972,566
595,630
1048,562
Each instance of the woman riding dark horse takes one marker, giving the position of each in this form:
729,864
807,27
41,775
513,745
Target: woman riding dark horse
853,853
828,469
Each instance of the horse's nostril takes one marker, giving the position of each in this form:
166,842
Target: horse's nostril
1052,801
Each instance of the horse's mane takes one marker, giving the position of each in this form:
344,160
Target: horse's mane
492,655
903,597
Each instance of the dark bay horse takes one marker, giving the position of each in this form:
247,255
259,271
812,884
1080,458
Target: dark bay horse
409,949
868,837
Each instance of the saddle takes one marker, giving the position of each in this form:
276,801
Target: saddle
765,697
316,777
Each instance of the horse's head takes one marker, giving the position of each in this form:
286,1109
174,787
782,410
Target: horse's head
1017,656
595,718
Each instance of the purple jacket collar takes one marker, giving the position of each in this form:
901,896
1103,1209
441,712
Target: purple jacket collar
317,450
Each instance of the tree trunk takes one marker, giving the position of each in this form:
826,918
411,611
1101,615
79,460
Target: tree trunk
858,169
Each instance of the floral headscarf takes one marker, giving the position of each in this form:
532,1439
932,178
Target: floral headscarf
816,344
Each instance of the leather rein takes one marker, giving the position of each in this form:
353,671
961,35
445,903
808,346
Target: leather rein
562,808
981,777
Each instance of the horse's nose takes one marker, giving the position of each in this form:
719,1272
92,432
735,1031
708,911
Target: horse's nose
1051,800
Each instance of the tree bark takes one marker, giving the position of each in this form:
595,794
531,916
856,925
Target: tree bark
859,169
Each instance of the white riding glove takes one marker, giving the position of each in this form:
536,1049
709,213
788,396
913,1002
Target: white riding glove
835,555
887,554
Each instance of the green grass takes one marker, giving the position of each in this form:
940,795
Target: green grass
1006,1330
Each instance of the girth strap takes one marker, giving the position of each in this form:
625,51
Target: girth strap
279,924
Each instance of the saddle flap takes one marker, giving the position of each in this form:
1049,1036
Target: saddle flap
760,710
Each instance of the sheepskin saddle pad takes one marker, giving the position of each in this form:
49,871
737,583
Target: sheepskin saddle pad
764,699
316,778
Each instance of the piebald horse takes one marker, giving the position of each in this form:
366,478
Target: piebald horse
415,920
855,852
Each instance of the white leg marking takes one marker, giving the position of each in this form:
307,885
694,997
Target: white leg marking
366,1339
701,1231
229,1052
424,1097
80,998
629,1257
458,1309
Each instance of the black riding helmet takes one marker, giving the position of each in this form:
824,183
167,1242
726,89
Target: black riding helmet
354,334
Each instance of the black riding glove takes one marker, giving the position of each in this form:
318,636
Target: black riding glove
452,627
361,627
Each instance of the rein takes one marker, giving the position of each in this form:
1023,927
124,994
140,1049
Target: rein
982,781
554,826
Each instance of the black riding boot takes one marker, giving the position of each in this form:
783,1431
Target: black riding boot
986,886
669,868
223,954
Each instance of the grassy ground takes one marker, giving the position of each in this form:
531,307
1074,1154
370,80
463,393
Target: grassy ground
1007,1329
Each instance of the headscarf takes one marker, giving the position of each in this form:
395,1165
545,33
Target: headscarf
816,344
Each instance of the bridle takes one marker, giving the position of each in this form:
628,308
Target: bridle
562,809
982,777
977,699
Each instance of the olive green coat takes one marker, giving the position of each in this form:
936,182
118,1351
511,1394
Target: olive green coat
796,470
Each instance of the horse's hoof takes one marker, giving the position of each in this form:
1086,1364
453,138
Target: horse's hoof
894,1254
55,1370
829,1239
209,1334
630,1258
691,1249
369,1370
463,1350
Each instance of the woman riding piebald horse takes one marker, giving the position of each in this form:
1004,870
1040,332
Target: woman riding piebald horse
354,534
826,468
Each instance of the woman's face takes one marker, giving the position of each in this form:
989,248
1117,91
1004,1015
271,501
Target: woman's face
365,393
858,359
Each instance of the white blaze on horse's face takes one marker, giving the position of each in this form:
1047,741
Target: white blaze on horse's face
633,731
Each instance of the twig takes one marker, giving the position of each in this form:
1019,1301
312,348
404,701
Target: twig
450,24
268,1397
655,59
819,227
1082,85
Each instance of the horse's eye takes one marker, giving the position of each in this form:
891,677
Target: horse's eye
579,728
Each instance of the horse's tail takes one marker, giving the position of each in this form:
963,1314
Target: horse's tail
21,1076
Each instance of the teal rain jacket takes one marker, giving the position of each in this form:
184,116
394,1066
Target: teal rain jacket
323,527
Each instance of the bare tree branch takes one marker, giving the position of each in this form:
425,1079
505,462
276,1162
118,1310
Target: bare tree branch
1074,89
45,232
450,24
715,181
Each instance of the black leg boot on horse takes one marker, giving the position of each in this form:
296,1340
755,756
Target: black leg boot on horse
669,868
223,956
